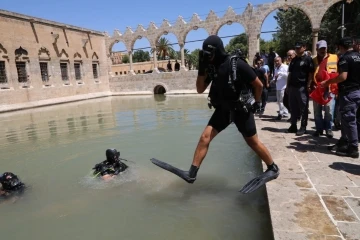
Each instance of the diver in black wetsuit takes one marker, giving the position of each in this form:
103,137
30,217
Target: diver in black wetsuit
235,94
10,184
111,166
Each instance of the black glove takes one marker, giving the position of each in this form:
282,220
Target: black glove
202,67
256,107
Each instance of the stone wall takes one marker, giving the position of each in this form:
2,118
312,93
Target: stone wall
173,82
140,67
31,41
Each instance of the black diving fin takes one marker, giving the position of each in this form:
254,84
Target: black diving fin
270,174
188,176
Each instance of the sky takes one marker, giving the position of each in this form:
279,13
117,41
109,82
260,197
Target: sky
108,15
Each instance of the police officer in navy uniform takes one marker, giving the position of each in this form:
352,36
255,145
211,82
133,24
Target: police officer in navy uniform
349,96
301,71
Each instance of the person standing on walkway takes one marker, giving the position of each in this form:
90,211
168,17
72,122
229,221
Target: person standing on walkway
280,78
261,74
301,71
290,56
323,62
349,95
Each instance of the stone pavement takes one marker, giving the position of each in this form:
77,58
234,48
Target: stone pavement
317,195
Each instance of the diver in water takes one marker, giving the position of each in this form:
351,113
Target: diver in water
10,184
111,166
235,93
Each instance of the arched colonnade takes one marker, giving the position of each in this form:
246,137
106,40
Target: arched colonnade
251,19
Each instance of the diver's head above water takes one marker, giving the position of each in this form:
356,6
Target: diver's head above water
10,181
213,50
112,155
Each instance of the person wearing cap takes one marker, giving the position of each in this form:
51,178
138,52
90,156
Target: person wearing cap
301,70
324,61
10,184
349,96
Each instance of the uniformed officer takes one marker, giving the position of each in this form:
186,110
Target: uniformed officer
349,96
301,72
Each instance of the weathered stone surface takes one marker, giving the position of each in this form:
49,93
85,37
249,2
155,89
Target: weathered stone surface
339,209
355,191
333,190
354,204
329,177
350,231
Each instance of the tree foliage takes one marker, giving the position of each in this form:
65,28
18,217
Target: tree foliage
332,21
238,42
125,59
293,25
141,56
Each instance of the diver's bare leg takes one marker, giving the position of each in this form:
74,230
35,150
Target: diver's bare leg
203,145
260,149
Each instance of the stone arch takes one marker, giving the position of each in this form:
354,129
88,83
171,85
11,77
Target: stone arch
264,12
160,88
229,22
20,51
77,55
132,43
112,42
94,56
44,52
63,55
160,34
189,29
318,17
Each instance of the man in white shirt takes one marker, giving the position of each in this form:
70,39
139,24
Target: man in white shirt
280,78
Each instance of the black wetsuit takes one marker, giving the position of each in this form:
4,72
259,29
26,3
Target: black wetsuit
223,98
107,167
11,183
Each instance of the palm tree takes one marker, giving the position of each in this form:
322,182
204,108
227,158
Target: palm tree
163,48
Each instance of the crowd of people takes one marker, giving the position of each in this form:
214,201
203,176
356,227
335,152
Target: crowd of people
331,80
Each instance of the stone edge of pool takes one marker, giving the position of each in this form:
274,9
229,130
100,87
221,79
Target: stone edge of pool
317,194
62,100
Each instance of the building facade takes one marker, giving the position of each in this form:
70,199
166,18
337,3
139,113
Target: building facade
41,59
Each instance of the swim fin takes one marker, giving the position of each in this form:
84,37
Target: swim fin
270,174
188,176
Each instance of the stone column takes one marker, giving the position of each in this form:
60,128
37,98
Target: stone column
182,67
315,35
131,63
156,70
254,45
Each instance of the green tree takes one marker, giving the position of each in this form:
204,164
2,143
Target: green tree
141,56
238,42
125,59
293,25
163,48
332,21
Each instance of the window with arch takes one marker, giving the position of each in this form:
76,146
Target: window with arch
3,75
21,58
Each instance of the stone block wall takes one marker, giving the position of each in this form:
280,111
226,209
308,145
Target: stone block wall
146,83
31,41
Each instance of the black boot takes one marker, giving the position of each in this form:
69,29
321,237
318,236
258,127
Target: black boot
292,129
341,143
301,131
349,151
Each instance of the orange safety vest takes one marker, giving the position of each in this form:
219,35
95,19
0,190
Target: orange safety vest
331,67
